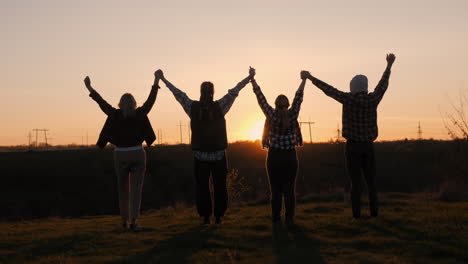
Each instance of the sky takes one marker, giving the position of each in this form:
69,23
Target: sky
48,47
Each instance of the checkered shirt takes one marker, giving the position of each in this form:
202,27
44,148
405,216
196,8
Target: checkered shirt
359,117
273,136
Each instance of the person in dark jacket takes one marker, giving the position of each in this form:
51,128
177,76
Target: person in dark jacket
126,128
209,141
360,130
281,135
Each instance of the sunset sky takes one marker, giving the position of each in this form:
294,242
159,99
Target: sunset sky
48,47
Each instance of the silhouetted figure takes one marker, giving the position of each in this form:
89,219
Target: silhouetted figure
281,135
209,141
127,128
360,130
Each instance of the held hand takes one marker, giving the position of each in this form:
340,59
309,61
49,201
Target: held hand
159,74
390,59
251,73
305,75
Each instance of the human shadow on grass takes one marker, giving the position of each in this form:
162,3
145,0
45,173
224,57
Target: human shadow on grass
436,246
36,249
176,249
295,245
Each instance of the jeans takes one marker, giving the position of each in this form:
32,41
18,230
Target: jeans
282,169
130,168
360,161
218,172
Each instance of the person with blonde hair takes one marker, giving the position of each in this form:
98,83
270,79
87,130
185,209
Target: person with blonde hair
126,128
281,135
360,129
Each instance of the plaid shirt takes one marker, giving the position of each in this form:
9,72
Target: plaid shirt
359,115
225,104
274,137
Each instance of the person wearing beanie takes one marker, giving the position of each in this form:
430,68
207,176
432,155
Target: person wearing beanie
359,122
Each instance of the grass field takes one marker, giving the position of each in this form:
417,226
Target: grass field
78,182
411,229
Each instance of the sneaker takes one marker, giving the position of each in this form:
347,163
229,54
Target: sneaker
276,225
289,221
134,226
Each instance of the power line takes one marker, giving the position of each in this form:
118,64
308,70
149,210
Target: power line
180,128
419,131
189,133
37,130
310,129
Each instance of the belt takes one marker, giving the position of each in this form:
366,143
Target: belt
137,147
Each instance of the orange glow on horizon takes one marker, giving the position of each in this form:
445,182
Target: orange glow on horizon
255,131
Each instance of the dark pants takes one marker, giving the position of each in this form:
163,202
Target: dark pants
218,171
282,170
360,161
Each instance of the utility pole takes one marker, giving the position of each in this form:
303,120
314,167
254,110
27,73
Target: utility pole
37,130
180,129
419,131
189,133
338,133
45,137
159,132
310,129
29,139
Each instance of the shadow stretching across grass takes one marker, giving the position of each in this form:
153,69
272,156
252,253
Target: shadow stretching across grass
177,249
295,245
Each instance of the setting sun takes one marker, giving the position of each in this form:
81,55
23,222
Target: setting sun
256,130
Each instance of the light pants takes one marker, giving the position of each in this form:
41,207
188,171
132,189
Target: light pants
130,168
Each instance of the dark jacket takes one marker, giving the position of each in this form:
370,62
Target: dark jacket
126,132
208,127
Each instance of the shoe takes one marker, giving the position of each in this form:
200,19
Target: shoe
218,220
134,225
289,221
276,225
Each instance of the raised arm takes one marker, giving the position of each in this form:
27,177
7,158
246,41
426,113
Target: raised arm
180,96
262,102
328,89
296,105
146,107
105,106
226,101
382,86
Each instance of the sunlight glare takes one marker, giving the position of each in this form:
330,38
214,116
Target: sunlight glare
255,131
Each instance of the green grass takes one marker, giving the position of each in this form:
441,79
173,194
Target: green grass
410,229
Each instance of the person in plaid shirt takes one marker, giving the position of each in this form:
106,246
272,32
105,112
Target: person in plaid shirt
281,135
360,129
209,141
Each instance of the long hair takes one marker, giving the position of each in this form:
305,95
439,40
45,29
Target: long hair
281,109
128,105
206,100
